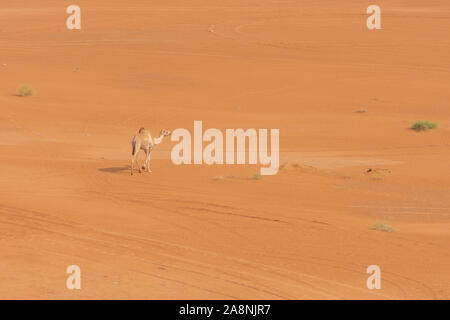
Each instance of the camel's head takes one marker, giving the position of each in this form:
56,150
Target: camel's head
165,133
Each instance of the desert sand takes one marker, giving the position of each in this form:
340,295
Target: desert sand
212,232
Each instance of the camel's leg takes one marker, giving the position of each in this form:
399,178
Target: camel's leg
135,155
137,162
147,161
146,158
135,158
132,161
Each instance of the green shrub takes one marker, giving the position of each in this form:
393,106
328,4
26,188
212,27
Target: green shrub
380,226
423,125
256,176
25,91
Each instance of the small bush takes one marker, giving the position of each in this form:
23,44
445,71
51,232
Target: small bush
378,176
423,125
256,176
25,91
380,226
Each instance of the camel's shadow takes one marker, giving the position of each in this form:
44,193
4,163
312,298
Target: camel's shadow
114,169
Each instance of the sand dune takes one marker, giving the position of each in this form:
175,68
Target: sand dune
213,232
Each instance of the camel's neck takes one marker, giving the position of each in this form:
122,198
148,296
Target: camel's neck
158,140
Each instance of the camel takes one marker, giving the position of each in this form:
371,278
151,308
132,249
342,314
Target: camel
143,140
